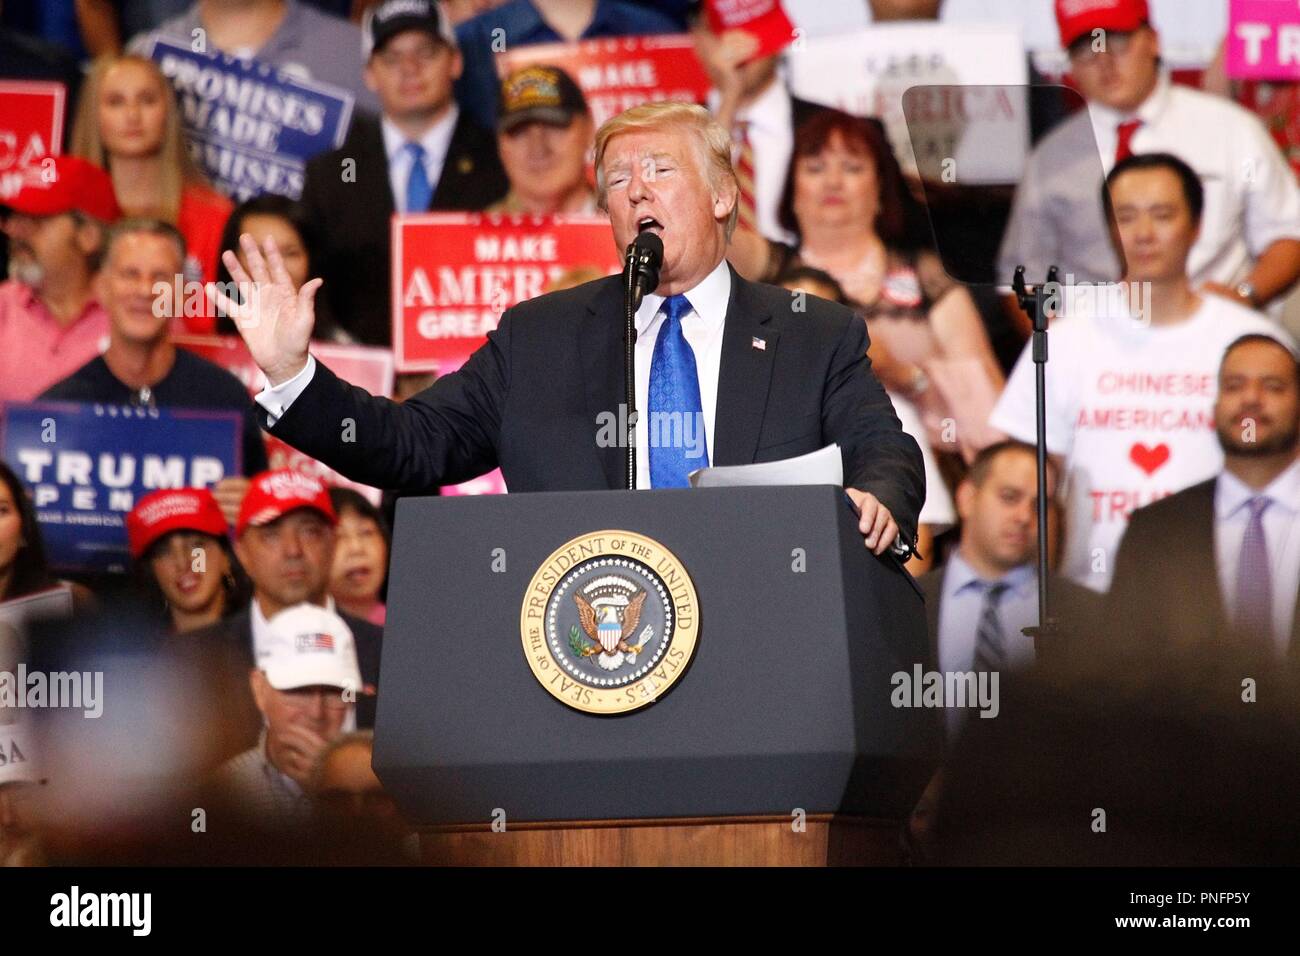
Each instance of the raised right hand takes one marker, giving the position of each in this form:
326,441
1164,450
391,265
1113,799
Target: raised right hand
275,319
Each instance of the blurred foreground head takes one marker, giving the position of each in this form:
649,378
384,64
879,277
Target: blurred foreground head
1130,759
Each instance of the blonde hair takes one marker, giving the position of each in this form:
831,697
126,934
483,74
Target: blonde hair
178,168
712,141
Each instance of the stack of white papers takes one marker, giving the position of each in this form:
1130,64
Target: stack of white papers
824,467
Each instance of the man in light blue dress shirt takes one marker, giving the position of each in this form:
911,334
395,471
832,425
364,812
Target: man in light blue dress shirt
981,599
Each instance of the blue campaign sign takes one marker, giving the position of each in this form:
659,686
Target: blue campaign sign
86,466
251,127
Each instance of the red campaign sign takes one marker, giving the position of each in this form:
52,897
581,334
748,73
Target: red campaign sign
281,455
455,273
364,366
617,74
31,128
764,20
490,484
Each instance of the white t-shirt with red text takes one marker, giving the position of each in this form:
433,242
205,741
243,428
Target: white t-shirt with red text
1130,406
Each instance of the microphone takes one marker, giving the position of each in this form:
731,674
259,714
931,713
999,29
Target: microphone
645,255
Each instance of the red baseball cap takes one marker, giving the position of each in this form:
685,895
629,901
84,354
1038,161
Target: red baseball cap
1078,18
172,509
273,494
74,186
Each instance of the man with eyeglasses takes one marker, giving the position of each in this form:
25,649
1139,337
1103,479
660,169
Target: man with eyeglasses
422,154
304,683
1248,249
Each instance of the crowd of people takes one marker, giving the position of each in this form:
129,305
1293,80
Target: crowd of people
1173,385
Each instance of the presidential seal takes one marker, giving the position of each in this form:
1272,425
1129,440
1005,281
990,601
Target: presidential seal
609,622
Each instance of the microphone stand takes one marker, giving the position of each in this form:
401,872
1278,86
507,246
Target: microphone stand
641,274
632,301
1034,304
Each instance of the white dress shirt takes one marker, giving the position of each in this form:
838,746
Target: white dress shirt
1282,538
436,141
702,327
771,133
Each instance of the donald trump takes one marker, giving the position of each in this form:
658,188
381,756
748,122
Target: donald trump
755,372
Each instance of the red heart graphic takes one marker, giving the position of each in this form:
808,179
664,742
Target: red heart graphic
1149,459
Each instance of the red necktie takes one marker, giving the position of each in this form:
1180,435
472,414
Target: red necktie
745,176
1124,147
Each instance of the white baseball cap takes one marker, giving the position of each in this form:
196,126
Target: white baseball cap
308,645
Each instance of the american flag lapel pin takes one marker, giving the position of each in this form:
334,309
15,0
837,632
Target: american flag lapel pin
760,344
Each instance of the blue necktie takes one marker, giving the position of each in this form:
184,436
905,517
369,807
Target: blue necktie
418,191
1254,578
675,433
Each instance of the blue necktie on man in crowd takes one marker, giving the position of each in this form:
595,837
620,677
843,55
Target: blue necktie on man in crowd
418,191
676,437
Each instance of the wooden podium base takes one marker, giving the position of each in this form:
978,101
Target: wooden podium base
825,840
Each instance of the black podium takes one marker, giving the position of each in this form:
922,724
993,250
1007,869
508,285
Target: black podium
780,724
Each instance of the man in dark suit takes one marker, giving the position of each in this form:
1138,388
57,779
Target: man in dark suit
1216,567
284,538
980,599
728,372
421,154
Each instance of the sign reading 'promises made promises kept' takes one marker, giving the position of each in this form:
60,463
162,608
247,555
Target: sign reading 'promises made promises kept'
251,128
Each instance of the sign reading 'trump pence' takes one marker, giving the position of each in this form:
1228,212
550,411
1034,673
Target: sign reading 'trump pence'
87,465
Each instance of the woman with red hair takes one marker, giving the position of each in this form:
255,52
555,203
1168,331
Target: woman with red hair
846,201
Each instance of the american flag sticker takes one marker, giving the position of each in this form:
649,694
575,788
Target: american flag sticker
315,642
760,344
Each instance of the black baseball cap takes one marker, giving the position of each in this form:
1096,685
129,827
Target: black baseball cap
539,94
385,20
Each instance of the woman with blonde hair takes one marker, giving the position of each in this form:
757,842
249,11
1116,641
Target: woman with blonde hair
128,122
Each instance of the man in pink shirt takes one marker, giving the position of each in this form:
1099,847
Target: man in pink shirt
50,321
